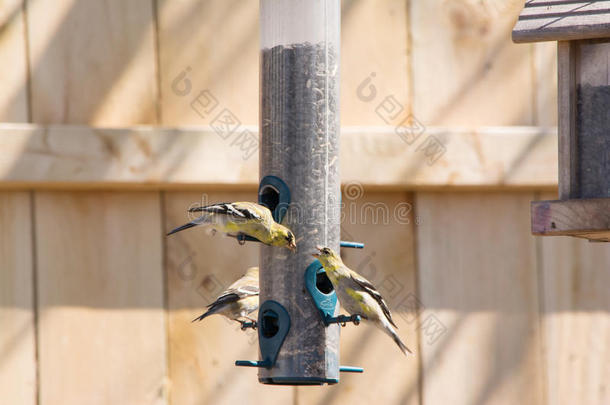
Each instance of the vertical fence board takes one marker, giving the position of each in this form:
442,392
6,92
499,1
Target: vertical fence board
13,82
101,326
215,43
92,62
17,334
576,323
545,66
17,329
202,354
101,319
477,276
466,70
374,46
384,222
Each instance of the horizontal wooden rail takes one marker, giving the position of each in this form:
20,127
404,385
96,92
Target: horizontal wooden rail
81,157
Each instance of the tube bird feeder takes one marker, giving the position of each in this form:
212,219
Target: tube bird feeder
582,29
299,170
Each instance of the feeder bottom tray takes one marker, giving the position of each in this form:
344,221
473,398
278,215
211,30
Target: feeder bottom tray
582,218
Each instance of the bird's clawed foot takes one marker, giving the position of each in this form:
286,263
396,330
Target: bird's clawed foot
248,324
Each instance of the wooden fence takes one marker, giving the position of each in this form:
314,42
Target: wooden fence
105,143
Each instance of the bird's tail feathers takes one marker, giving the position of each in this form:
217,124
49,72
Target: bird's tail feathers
213,308
390,331
181,228
198,221
202,316
401,345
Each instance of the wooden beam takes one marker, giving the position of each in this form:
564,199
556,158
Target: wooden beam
585,218
80,157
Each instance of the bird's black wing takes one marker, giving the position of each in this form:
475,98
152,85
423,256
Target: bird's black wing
372,291
247,212
234,295
228,209
227,297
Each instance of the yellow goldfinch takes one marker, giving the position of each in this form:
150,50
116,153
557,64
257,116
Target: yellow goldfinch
357,295
238,301
246,218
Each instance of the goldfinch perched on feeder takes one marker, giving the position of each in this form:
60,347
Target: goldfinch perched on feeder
357,295
243,218
238,301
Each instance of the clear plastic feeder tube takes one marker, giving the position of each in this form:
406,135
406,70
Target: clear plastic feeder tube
299,126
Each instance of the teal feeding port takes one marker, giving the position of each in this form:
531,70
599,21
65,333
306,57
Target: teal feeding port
274,194
324,297
273,326
321,290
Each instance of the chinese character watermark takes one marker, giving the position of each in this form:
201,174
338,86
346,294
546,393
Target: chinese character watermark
409,129
225,123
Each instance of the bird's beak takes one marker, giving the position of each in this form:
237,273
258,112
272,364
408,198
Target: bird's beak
316,254
292,246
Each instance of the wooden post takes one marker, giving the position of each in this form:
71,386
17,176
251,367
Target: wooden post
299,126
566,88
